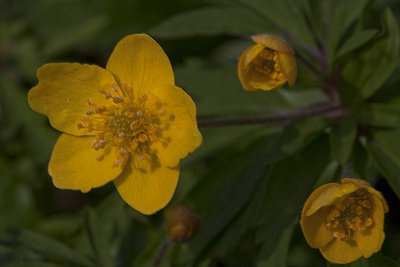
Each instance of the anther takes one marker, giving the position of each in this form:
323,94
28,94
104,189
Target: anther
90,102
118,99
108,95
100,157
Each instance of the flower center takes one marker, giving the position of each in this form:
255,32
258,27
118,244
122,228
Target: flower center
127,124
350,215
267,64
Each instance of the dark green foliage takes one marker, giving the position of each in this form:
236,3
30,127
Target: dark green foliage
247,182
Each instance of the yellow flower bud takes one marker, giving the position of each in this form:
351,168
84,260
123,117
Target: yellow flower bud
344,221
181,224
267,65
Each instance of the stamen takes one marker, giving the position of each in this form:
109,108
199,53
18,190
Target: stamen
350,215
127,125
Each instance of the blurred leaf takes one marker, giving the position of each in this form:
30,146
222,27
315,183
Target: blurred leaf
376,260
290,181
385,151
210,21
72,23
362,262
286,14
243,222
44,246
39,138
363,163
378,115
278,257
342,139
210,86
97,239
294,137
356,40
344,13
232,176
377,62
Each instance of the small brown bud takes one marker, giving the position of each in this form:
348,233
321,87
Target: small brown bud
181,224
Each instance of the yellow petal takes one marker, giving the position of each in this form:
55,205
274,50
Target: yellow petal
366,185
314,229
273,42
244,66
73,164
147,186
359,182
371,241
138,61
341,251
314,195
63,91
288,65
331,195
182,134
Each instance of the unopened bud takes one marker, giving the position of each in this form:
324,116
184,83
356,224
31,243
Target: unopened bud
181,224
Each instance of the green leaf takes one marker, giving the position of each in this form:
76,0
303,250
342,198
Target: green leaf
46,247
378,260
376,63
385,151
286,14
294,137
210,21
344,14
210,86
290,181
356,40
342,139
97,239
233,176
278,257
378,115
362,262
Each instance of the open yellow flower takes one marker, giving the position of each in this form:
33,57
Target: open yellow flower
127,123
345,221
267,65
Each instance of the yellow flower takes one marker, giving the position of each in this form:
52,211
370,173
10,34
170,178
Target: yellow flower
127,123
345,221
267,65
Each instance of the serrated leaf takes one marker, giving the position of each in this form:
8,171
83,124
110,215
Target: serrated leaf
233,176
342,139
210,21
344,14
290,181
97,239
294,137
378,115
356,40
385,154
278,257
209,86
44,246
362,262
286,14
377,62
